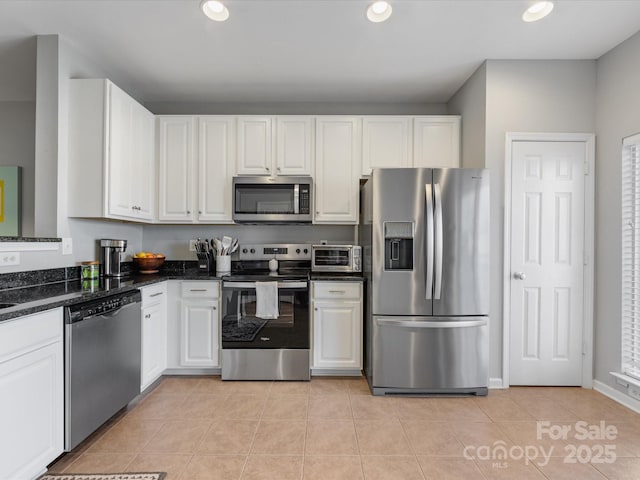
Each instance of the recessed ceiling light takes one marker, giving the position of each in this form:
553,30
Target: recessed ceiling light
215,10
379,11
537,11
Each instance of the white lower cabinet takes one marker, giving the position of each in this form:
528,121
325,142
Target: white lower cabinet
337,325
200,324
154,333
31,394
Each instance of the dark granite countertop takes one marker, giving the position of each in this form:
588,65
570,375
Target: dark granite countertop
33,299
60,287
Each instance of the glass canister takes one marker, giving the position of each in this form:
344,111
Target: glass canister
90,270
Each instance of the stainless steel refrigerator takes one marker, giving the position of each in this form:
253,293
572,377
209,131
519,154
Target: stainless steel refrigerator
425,239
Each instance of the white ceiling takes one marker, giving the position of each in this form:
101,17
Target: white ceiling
305,50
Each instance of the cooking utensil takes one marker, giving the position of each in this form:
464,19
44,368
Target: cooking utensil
226,244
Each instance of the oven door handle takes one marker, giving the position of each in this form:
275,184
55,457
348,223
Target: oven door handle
281,285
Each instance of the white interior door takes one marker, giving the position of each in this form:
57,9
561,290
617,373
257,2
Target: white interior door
547,262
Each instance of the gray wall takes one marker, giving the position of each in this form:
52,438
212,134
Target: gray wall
296,108
173,240
618,116
17,147
471,102
521,96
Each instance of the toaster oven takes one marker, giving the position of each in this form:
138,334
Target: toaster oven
336,258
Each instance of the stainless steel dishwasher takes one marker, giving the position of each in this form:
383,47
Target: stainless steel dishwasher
102,361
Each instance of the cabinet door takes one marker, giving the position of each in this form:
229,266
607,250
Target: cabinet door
199,332
436,141
337,335
386,142
119,155
216,152
31,411
293,145
154,343
143,165
176,175
255,146
338,141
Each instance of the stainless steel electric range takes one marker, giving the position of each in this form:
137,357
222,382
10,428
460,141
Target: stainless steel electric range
272,342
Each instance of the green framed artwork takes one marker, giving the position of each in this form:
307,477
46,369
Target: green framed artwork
10,201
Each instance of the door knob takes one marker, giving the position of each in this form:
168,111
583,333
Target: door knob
519,276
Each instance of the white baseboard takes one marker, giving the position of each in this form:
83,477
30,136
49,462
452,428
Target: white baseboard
332,372
617,395
496,383
192,371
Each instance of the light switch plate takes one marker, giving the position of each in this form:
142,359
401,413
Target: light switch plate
67,246
9,258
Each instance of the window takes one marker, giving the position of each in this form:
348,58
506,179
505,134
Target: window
631,256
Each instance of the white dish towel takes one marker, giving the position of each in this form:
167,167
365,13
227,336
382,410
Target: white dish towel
267,300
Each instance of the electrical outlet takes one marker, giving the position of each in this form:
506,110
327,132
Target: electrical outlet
9,258
634,392
192,245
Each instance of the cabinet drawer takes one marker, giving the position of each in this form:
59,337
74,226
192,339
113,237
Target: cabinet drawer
337,290
200,289
153,294
30,332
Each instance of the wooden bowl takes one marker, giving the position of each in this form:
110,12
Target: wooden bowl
148,264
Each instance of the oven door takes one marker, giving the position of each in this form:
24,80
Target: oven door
242,329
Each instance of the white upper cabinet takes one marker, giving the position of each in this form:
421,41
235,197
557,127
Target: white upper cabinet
195,157
436,141
176,146
294,153
274,145
255,146
386,142
216,153
111,145
337,169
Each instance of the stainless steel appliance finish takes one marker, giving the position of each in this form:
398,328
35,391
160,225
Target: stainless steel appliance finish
110,253
257,364
425,237
272,199
336,258
102,362
255,348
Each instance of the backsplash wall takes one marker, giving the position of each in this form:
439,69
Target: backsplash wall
173,240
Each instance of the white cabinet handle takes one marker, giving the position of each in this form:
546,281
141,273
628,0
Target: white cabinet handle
155,294
341,292
198,290
148,315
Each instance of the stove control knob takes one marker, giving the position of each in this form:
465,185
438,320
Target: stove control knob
297,250
244,250
253,250
306,251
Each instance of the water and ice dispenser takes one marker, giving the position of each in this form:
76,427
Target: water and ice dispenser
398,245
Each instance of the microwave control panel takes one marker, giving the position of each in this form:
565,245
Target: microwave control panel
304,199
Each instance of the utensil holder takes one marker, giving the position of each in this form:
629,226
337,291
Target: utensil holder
223,264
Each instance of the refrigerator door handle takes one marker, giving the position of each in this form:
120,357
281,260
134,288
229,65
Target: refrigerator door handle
428,324
438,241
429,241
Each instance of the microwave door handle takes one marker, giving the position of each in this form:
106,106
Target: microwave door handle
429,241
296,198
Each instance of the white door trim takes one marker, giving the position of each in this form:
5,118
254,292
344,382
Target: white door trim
589,215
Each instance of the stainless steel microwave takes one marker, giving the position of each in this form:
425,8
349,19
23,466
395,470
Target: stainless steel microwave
336,258
272,199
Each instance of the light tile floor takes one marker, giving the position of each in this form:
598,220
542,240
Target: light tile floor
200,428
